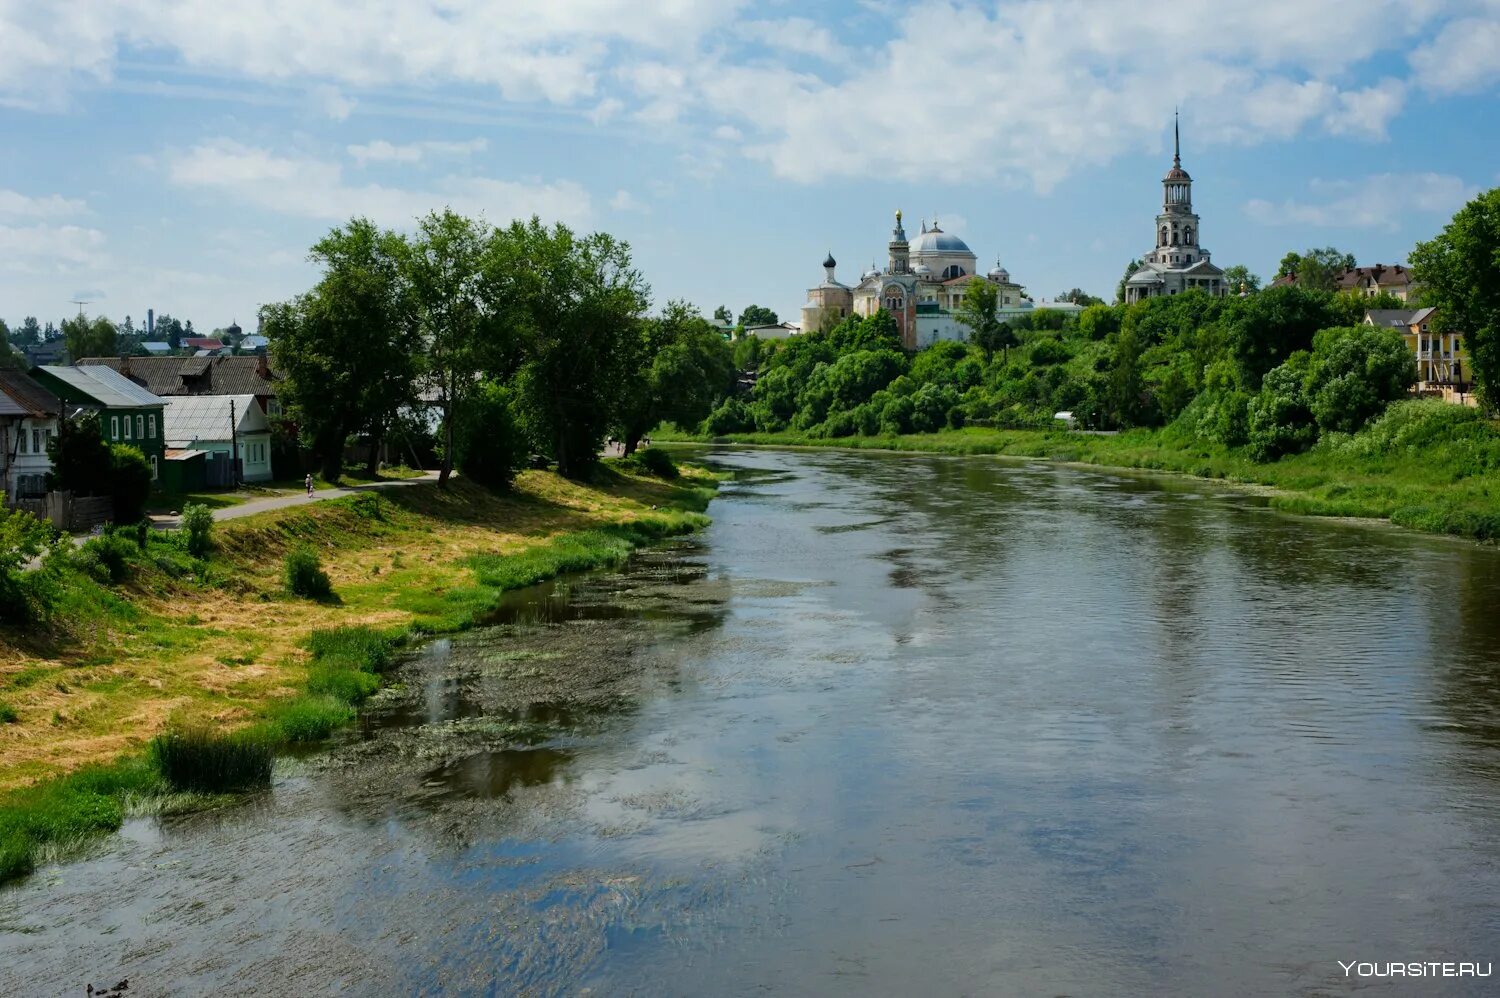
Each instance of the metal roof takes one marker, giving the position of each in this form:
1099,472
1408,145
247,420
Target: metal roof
191,418
21,396
105,386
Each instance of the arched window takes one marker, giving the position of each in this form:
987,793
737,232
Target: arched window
1187,235
1163,235
1174,238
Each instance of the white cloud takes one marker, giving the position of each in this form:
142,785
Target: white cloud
625,201
1464,57
15,205
1381,201
381,151
314,188
331,101
43,247
796,35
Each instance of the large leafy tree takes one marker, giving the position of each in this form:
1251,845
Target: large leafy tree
458,269
28,333
96,337
577,303
1239,277
345,347
1078,296
683,367
978,312
758,315
1459,272
1268,327
1130,268
1316,269
1356,372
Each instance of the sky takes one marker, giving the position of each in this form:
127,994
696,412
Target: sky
182,155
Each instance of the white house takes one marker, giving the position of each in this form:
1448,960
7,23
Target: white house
28,420
222,424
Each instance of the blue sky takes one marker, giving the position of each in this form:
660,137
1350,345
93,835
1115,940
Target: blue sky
183,155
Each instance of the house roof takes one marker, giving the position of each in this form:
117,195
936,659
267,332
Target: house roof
22,396
104,386
189,419
172,376
1399,318
203,342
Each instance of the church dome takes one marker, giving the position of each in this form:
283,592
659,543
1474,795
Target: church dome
935,240
828,261
1000,274
922,270
1177,173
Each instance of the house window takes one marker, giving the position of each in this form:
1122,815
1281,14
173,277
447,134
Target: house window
39,441
21,433
151,425
140,427
153,467
114,427
127,427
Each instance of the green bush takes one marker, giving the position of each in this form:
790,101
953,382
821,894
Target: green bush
110,557
732,416
304,575
658,462
197,529
1356,372
488,445
27,594
130,482
207,761
8,714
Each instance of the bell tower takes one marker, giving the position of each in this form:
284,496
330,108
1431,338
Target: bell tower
1177,225
900,249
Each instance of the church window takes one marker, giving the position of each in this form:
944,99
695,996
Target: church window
1174,238
1187,235
1163,235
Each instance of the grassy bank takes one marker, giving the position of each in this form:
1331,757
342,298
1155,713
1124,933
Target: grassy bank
1423,465
187,646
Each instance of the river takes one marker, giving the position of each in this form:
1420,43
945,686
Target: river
892,725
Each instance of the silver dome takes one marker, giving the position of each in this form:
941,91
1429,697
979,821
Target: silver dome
937,241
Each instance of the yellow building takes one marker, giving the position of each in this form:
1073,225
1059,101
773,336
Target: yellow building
1442,363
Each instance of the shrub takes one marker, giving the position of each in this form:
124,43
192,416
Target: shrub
8,713
1356,372
732,416
197,529
109,557
304,575
210,762
129,482
1280,421
26,594
658,462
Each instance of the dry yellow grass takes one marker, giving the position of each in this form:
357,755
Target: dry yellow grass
176,651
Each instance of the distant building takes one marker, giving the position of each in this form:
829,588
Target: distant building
28,421
170,377
1178,262
1442,360
1391,279
226,426
54,351
772,331
128,413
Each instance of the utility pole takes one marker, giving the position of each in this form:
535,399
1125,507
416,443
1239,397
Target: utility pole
234,447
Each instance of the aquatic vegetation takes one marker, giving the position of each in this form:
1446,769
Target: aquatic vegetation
206,761
58,815
308,718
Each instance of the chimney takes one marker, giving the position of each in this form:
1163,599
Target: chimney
150,322
261,367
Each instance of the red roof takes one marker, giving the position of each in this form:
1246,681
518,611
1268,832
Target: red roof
204,342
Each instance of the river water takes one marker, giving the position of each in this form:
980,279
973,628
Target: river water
893,725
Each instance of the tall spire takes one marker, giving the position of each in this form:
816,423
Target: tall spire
1176,140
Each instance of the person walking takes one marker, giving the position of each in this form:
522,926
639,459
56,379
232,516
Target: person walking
308,483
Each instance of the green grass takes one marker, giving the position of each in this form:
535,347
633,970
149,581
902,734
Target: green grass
1424,464
49,819
200,760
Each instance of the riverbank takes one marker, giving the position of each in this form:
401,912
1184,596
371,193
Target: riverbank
1424,466
183,643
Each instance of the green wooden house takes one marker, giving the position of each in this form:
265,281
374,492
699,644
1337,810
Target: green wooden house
128,414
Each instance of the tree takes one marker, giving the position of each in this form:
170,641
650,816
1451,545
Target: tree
1239,278
1280,417
1080,297
89,337
1356,372
977,312
80,457
576,304
129,482
1459,271
345,347
1130,269
1289,264
169,329
683,369
1320,269
723,316
757,315
5,333
454,270
1270,326
28,334
490,447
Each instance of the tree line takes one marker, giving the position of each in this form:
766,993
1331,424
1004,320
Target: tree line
505,342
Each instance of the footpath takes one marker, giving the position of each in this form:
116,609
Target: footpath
168,522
